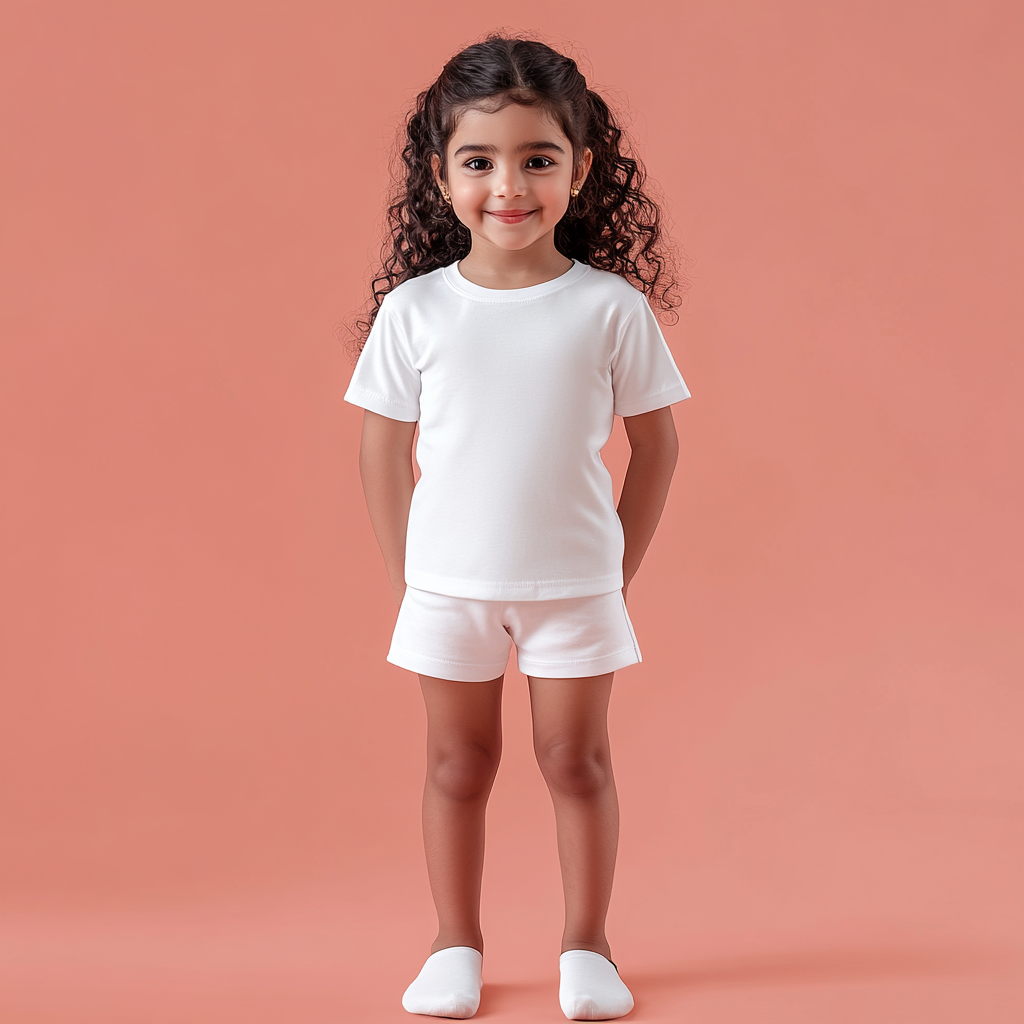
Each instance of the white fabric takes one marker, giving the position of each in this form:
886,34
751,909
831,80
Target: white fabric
468,640
515,392
589,987
448,984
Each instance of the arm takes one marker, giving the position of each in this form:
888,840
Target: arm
654,449
385,468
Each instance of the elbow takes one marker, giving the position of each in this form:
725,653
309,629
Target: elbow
670,445
663,449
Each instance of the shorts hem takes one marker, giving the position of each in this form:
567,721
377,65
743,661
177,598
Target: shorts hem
579,669
440,668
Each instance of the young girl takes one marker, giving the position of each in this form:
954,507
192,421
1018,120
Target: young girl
512,322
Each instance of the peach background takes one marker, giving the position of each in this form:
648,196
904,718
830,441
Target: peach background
210,775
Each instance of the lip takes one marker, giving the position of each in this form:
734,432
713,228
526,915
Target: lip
510,216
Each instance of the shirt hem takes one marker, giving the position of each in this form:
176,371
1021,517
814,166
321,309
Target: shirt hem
525,590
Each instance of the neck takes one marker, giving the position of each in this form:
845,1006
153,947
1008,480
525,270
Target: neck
492,267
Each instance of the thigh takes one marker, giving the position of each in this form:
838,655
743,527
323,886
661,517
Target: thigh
465,714
571,712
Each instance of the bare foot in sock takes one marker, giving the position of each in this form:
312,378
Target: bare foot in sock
448,985
590,987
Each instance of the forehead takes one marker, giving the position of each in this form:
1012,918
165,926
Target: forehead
505,128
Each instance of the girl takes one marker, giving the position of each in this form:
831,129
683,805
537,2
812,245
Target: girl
512,322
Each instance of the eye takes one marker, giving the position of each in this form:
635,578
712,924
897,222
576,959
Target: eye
477,160
539,167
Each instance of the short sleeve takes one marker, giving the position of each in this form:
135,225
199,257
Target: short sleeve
644,374
386,380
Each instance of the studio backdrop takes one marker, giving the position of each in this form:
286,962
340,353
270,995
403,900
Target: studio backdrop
210,775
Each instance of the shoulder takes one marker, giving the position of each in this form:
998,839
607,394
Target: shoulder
414,291
618,297
612,288
405,306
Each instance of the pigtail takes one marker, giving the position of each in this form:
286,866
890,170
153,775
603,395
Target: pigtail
422,232
614,224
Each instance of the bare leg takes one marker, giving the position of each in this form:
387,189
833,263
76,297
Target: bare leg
463,750
570,737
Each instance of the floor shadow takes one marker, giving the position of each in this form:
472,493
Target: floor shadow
512,995
823,966
793,967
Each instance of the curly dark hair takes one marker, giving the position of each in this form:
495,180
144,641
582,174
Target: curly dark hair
613,224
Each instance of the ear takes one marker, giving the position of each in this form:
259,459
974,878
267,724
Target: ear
583,169
435,166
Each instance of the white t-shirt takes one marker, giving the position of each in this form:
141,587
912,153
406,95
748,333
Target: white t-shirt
515,392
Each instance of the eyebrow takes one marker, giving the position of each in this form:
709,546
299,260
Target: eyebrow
470,147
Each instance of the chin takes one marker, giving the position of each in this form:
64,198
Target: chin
512,246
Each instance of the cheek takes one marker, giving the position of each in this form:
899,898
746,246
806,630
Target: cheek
470,195
555,193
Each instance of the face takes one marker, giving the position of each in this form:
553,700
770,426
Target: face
509,174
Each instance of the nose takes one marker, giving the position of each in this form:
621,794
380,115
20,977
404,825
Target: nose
509,182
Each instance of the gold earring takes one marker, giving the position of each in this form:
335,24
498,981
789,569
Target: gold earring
444,195
575,190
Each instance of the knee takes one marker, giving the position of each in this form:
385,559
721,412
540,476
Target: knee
463,771
573,769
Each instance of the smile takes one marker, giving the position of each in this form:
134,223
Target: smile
510,216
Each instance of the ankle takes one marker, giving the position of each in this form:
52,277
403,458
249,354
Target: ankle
594,944
445,941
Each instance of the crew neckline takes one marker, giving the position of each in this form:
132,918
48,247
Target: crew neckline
533,291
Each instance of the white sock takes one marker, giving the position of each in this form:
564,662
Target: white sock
590,987
448,985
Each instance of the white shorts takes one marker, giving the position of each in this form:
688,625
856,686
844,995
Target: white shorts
468,640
